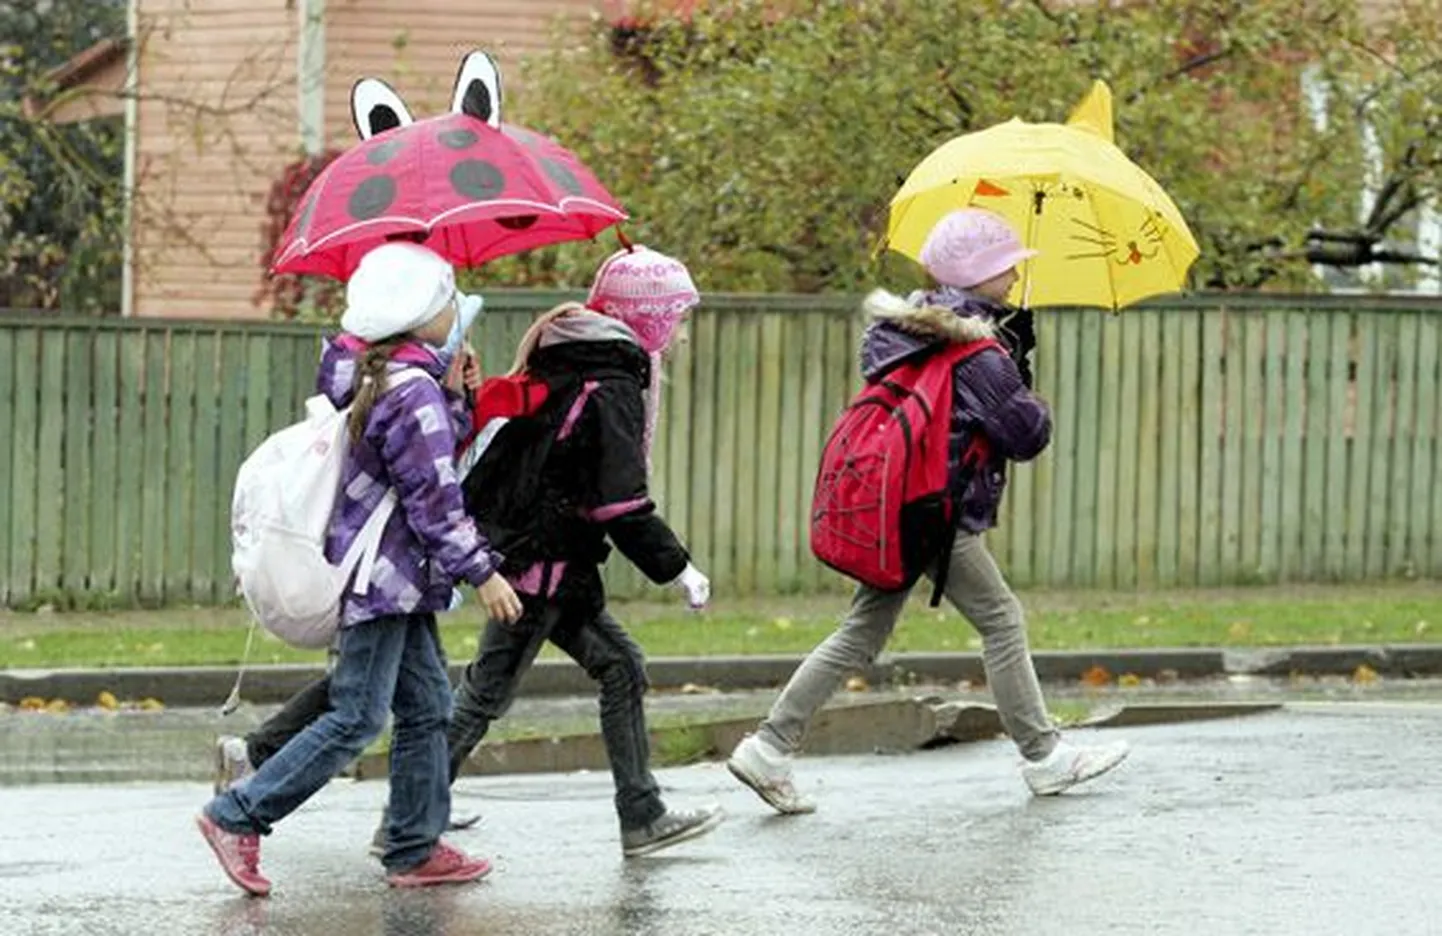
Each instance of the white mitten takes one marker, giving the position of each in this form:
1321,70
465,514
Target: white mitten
696,586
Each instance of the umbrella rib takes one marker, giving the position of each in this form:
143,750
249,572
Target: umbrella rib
1106,260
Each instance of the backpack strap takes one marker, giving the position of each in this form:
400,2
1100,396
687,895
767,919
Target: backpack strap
952,356
363,552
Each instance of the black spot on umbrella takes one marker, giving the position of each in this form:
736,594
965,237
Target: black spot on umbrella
519,223
371,197
458,139
526,138
562,176
382,153
477,179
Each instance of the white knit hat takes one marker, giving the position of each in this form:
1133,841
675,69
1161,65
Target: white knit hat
647,291
396,288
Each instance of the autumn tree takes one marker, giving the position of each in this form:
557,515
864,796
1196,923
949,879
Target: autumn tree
762,141
61,198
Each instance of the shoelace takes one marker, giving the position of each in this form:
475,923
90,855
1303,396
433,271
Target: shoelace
447,857
248,847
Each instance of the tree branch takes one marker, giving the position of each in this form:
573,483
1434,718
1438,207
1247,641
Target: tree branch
1186,68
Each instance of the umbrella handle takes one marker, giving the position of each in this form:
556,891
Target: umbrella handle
625,241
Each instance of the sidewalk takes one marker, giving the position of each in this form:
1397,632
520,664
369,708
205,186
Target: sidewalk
208,686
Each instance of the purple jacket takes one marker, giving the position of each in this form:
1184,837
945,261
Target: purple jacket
409,444
988,395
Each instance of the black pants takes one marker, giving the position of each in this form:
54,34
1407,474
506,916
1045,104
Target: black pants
303,708
601,646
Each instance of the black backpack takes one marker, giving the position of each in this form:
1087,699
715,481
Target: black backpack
521,494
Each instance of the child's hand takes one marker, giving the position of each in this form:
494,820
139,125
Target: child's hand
500,600
471,369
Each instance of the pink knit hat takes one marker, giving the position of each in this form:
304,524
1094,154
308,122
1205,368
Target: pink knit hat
971,246
647,291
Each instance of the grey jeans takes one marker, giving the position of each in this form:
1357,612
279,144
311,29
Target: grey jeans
976,588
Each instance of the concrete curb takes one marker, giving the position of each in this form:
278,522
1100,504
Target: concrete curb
209,685
893,726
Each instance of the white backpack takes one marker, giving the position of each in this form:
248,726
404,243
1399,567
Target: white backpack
285,493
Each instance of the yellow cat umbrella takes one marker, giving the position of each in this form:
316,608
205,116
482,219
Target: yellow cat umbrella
1107,234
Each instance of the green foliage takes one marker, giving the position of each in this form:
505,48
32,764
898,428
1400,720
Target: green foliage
764,147
61,187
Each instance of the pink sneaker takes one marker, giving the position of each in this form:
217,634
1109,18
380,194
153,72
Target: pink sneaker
239,856
446,865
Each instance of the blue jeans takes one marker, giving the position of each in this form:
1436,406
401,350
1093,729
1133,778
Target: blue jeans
391,663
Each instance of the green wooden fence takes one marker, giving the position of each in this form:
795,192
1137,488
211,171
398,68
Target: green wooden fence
1201,443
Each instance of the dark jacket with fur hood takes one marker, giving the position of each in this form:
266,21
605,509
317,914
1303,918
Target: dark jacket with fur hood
989,396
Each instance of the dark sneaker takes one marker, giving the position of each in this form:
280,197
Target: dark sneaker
239,856
674,827
446,865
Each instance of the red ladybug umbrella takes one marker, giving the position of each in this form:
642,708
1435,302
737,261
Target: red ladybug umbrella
455,183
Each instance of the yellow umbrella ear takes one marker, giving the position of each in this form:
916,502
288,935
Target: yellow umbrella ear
1094,113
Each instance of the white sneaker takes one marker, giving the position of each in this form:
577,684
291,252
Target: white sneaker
232,763
1069,764
763,768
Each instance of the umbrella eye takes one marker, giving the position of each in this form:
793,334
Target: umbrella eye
376,107
478,89
383,118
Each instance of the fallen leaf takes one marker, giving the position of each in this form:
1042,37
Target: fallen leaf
1129,680
1096,677
1142,621
753,632
1239,630
57,707
782,623
1364,675
155,648
1168,676
107,701
151,705
45,609
1421,628
856,684
691,688
32,704
25,645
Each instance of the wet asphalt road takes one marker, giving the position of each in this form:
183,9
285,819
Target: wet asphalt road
1316,820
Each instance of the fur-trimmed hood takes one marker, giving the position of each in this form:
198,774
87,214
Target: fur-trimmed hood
902,328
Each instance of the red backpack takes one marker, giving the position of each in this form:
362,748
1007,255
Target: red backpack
882,510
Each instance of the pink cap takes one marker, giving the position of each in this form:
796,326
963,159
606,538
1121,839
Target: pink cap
970,246
647,291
